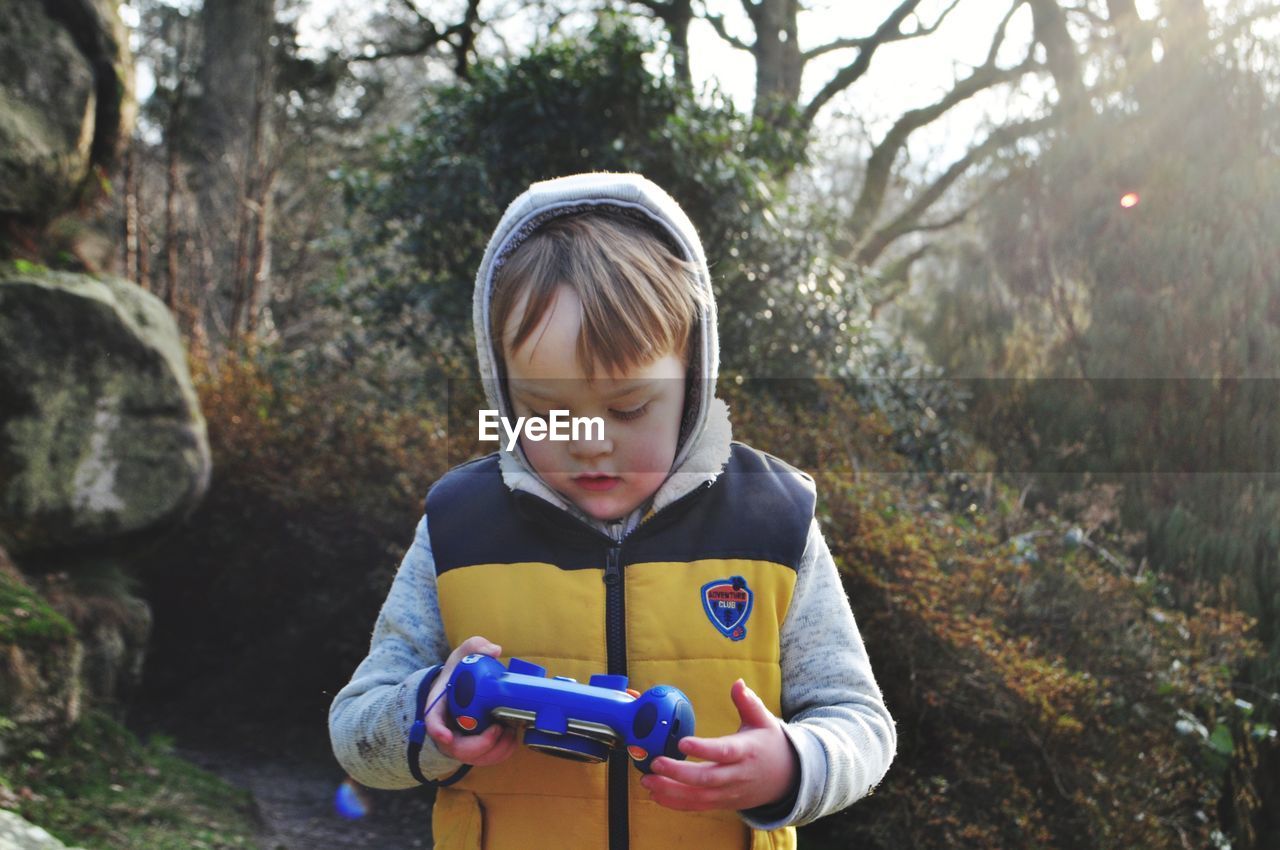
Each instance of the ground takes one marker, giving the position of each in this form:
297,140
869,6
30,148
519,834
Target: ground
293,779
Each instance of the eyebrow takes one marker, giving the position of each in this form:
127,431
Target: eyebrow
628,390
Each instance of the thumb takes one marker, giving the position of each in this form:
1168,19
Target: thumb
477,645
750,707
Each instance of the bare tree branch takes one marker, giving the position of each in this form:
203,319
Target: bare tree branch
893,280
864,41
417,13
717,23
907,221
1002,30
882,157
944,224
430,37
849,74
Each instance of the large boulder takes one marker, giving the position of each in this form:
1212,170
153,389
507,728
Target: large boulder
66,100
101,436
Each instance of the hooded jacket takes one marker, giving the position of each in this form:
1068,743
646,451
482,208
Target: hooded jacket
821,683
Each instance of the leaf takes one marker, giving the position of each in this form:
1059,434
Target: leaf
1220,741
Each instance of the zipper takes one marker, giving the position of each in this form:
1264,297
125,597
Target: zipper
615,623
615,606
615,602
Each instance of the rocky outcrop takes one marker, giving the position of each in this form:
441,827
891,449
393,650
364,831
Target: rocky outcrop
101,436
40,664
66,100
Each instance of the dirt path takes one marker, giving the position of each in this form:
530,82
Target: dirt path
295,802
293,778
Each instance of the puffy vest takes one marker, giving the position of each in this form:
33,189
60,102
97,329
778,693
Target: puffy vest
694,596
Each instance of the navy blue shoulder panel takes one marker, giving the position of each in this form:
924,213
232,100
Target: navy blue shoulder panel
474,518
758,508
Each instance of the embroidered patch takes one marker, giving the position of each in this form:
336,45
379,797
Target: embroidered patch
727,602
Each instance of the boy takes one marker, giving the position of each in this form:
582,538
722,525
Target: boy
657,548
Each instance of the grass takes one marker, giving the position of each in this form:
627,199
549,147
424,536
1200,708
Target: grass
103,788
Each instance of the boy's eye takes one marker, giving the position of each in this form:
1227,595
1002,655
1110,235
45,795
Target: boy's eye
636,413
624,415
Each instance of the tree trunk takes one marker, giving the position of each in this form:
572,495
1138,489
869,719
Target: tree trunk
678,28
1051,30
1133,38
228,149
779,62
132,249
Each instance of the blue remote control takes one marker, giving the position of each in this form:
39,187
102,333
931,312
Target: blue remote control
567,719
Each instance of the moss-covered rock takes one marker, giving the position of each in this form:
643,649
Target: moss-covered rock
112,625
101,434
67,100
40,663
48,111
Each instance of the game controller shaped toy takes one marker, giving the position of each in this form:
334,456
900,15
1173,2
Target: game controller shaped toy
564,718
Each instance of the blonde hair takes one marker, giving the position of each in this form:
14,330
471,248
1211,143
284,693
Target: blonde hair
639,299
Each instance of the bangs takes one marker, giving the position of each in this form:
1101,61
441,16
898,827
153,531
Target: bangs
639,300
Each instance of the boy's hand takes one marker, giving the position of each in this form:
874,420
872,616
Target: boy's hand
753,766
491,746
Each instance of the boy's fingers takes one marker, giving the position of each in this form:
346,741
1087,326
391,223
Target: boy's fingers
440,734
675,795
724,750
750,707
468,747
475,645
705,774
503,749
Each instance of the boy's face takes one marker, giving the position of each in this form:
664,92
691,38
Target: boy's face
641,410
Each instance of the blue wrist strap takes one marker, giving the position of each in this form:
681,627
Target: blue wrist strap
418,733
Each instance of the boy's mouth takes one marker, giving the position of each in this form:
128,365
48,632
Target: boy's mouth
596,482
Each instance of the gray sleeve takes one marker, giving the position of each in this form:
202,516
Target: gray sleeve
835,715
370,717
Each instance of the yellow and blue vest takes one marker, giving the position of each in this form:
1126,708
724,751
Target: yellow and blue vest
694,596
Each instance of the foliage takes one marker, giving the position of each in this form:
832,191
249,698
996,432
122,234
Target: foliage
102,788
1041,691
316,489
423,210
1159,324
26,619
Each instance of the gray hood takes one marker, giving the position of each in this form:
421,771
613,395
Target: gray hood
706,432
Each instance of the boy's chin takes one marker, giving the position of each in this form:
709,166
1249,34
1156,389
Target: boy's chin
604,508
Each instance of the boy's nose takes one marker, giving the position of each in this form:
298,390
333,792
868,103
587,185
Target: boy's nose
589,448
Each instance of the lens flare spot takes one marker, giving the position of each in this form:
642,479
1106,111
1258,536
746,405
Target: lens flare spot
1129,200
351,801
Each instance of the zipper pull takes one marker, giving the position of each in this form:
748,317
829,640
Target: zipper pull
613,566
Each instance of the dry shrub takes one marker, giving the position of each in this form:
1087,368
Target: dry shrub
317,486
1037,686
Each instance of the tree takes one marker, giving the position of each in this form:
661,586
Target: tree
1133,261
424,206
780,66
232,142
